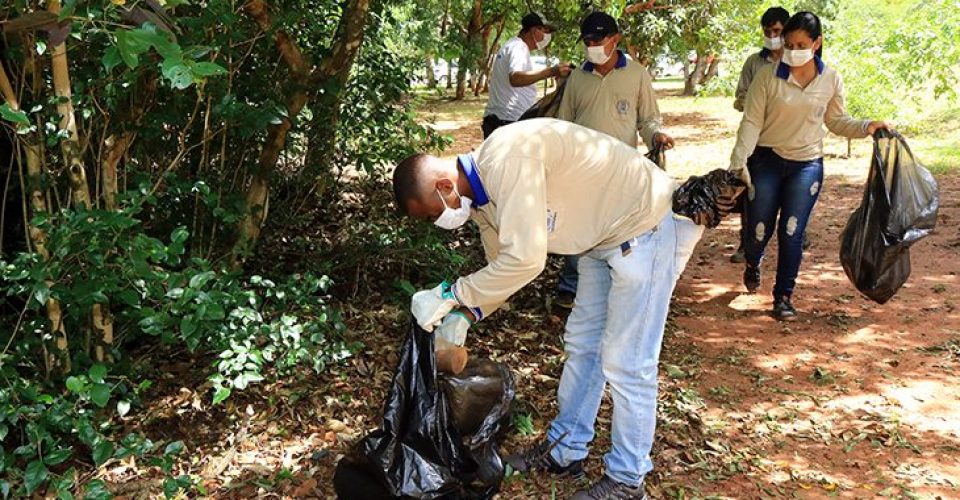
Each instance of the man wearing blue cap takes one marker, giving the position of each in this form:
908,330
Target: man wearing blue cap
613,94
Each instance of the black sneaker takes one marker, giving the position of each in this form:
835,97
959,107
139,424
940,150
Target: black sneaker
738,257
537,458
566,299
608,489
751,278
783,309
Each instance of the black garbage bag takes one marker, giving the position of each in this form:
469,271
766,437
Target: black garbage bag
708,198
548,106
899,207
439,436
658,155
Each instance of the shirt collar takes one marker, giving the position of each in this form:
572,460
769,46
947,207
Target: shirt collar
783,70
469,167
621,62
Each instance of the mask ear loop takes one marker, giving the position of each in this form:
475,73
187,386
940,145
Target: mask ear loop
445,201
441,198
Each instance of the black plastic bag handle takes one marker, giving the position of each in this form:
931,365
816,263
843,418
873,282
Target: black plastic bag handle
883,133
657,153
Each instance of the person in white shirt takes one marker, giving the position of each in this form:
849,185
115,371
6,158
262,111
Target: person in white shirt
512,79
779,151
771,24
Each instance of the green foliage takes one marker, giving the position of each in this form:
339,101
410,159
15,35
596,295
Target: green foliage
377,112
254,328
200,85
280,326
898,58
44,428
13,115
179,67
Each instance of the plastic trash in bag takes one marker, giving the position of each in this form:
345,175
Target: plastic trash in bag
548,106
899,207
439,436
707,198
658,155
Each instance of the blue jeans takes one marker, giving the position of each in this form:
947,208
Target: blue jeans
787,190
613,336
569,274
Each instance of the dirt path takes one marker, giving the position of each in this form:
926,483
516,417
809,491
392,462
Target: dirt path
855,399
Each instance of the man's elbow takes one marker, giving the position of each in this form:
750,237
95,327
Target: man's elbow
531,267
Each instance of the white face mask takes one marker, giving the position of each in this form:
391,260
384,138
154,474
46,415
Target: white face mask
546,41
597,54
797,57
452,218
772,43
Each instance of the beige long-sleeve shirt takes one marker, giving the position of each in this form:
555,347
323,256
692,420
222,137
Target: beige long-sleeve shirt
554,187
751,66
620,104
778,113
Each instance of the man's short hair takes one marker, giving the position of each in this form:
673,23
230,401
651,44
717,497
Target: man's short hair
774,15
407,178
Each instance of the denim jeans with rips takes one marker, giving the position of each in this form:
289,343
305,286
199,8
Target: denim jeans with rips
784,194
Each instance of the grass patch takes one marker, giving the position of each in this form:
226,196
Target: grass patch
941,160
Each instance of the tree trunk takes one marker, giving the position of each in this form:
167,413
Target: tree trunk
116,147
444,27
461,79
334,73
56,356
334,69
712,70
257,194
481,62
490,55
692,81
102,322
470,49
431,78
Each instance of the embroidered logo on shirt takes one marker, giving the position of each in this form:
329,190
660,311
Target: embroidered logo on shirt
551,221
623,106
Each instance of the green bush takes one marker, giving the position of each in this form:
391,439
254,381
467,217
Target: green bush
255,329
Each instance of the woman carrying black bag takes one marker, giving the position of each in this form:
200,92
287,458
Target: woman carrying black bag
784,115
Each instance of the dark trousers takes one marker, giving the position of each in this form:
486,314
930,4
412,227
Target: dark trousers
491,123
569,275
784,195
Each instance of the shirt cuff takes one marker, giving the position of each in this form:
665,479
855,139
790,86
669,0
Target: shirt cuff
477,313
